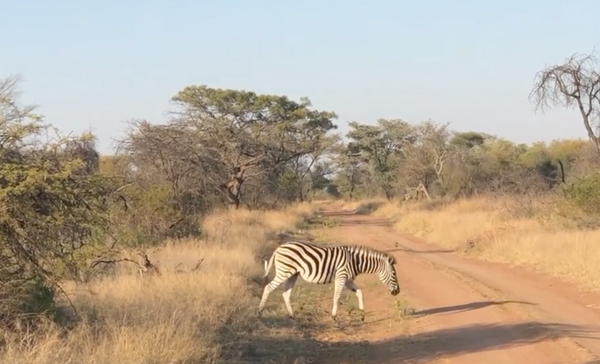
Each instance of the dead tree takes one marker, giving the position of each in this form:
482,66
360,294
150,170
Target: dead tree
576,83
415,193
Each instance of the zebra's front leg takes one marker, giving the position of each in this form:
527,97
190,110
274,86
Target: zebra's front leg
339,286
354,288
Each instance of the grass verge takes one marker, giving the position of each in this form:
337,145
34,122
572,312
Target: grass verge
183,315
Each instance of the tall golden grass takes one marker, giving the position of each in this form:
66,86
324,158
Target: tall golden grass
527,232
181,316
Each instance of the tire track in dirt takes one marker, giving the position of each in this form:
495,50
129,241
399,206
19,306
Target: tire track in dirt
467,311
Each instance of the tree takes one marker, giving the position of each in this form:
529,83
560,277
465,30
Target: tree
381,146
351,172
469,139
306,169
426,156
230,137
575,83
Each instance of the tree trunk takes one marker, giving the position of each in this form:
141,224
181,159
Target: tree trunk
586,122
234,195
234,204
232,191
388,194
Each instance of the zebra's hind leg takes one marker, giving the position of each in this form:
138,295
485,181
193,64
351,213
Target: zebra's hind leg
339,286
287,292
354,288
277,280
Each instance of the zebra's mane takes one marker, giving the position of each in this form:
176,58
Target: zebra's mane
358,249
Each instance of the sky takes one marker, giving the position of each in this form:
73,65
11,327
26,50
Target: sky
94,65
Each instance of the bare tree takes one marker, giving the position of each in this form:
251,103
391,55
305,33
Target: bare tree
10,109
575,83
427,156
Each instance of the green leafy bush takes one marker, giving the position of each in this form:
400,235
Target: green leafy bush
585,193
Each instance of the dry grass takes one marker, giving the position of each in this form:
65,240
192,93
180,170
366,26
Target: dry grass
519,232
178,317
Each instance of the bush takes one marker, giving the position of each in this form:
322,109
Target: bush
38,298
585,193
54,204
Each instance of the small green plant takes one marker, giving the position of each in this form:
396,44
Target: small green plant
330,222
368,207
323,221
402,309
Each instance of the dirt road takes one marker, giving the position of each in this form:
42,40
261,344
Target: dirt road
466,310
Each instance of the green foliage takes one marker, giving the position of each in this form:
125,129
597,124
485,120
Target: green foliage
323,221
585,193
53,200
37,298
289,182
468,140
381,148
50,206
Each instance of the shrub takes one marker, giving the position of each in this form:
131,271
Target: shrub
585,193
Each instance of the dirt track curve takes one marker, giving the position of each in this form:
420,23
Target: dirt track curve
467,310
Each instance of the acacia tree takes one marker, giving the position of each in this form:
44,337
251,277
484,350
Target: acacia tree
229,137
575,83
381,147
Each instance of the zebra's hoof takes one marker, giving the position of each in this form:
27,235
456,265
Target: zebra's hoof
362,316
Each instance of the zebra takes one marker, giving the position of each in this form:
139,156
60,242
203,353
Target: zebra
322,264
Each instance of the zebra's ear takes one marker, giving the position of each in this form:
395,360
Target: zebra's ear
392,259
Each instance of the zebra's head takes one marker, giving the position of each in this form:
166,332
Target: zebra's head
387,275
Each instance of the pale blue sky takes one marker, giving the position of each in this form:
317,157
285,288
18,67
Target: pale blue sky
94,64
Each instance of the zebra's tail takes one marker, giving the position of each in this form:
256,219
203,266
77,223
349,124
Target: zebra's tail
268,266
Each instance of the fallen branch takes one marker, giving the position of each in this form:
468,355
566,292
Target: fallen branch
145,267
112,261
197,266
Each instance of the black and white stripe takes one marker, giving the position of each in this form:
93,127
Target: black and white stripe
324,264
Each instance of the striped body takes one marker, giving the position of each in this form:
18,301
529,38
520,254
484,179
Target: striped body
323,264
